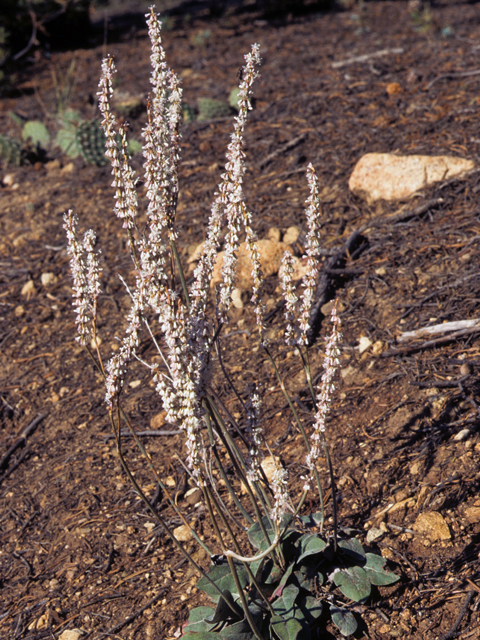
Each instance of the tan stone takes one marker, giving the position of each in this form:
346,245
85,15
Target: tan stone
158,420
183,533
384,176
271,254
70,634
433,525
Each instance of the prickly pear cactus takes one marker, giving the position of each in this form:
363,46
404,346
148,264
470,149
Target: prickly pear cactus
10,150
91,142
209,109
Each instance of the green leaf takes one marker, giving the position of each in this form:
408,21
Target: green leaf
353,549
344,620
197,619
223,612
376,572
224,580
233,98
201,635
257,537
353,583
311,609
310,544
288,629
37,132
312,520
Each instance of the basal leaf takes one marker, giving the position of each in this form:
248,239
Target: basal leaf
197,619
257,537
201,635
353,583
376,572
312,520
344,620
224,612
309,545
224,580
311,609
353,548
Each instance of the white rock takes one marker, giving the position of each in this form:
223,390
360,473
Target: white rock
237,298
48,278
462,435
274,234
385,176
9,179
374,534
28,289
364,343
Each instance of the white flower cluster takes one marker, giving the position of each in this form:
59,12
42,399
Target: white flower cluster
279,484
86,276
254,433
186,331
326,389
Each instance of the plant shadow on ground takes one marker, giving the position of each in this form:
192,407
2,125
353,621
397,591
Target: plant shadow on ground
78,549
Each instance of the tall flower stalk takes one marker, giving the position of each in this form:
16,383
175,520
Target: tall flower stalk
184,332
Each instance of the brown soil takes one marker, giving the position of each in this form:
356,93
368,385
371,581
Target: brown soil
78,549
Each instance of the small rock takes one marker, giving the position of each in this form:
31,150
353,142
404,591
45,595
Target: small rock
237,298
271,254
70,634
433,525
300,268
53,165
274,234
462,435
291,235
374,534
158,421
196,253
472,513
149,526
68,168
385,176
377,348
182,533
19,311
465,369
394,88
193,495
28,289
48,278
134,384
9,179
363,344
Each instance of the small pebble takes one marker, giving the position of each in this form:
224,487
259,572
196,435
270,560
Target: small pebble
462,435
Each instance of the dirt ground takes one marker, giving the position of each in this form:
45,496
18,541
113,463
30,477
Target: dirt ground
78,549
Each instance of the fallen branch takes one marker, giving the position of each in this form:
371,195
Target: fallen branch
446,76
20,441
127,434
436,329
366,57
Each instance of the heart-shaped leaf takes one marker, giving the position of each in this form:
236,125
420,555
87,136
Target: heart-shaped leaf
344,620
353,549
225,611
310,545
353,583
376,572
224,580
197,619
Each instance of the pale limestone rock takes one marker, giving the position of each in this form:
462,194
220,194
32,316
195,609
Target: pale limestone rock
70,634
433,525
271,254
48,278
28,289
183,533
385,176
158,420
291,235
274,234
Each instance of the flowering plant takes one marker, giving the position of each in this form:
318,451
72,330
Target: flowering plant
279,589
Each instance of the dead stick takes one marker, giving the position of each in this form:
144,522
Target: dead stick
21,440
135,615
463,611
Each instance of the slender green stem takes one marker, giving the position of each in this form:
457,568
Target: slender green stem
241,593
156,515
213,446
300,426
334,492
